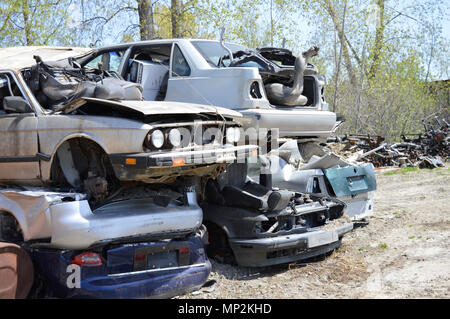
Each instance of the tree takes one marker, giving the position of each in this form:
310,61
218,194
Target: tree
35,22
146,26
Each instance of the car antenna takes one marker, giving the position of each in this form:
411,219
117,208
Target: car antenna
222,43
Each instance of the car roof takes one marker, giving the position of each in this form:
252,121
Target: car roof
17,58
155,41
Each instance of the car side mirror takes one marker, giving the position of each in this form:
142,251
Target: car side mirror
16,104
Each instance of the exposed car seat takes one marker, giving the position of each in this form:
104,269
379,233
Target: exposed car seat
115,89
59,83
235,192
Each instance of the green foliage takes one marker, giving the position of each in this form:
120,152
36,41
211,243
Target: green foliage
35,22
379,56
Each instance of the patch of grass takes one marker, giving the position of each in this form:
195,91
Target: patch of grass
402,171
382,245
412,237
361,248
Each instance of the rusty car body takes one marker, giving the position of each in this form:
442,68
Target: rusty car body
95,145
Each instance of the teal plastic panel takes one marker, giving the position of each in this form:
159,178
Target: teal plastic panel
352,179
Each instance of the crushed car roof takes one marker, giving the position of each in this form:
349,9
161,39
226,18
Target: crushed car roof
17,58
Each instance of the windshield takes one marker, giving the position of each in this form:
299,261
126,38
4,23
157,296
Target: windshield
212,51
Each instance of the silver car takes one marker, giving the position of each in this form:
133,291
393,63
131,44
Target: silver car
199,71
96,145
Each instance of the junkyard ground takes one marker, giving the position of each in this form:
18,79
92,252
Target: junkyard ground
404,251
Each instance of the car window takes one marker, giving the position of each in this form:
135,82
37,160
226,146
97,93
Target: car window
8,87
180,67
111,61
212,51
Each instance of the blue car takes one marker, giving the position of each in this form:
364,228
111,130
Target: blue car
156,269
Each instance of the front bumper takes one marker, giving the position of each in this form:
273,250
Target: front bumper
136,166
263,252
118,278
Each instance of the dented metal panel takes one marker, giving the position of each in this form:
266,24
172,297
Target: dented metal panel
75,226
31,209
352,180
68,221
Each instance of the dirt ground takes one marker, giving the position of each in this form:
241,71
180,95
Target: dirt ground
404,251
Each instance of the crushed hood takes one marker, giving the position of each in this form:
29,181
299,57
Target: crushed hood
153,107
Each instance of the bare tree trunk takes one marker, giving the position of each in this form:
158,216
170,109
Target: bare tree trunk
146,25
379,39
338,64
177,22
26,22
342,39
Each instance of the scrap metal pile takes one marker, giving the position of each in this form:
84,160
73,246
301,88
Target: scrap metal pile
429,149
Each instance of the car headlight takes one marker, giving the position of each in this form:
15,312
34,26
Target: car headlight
157,138
233,134
175,137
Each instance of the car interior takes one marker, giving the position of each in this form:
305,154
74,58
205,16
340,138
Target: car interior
149,66
8,88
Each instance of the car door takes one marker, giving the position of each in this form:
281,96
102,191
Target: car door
18,136
181,86
110,59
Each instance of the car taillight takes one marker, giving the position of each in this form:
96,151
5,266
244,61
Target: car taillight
87,259
184,250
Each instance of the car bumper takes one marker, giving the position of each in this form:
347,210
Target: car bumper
146,165
118,278
75,226
263,252
291,122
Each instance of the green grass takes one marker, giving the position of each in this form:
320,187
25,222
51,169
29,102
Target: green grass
382,245
412,237
403,211
403,171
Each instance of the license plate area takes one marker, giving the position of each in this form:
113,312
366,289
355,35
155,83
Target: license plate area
225,157
322,238
161,256
357,183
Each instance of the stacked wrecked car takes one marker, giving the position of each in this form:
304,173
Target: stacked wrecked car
117,158
83,169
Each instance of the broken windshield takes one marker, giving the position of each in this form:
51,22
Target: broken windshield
212,51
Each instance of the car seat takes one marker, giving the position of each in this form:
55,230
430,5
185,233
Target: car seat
232,189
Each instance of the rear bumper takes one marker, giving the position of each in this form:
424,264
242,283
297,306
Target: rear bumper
284,249
116,278
292,122
75,226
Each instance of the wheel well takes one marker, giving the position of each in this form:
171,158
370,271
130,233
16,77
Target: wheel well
10,230
77,162
219,247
